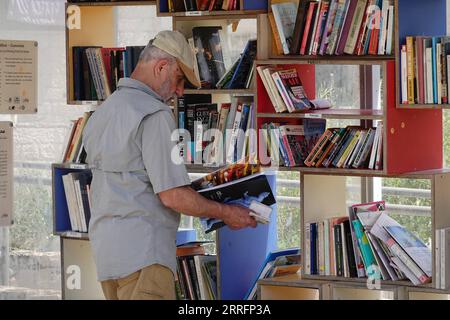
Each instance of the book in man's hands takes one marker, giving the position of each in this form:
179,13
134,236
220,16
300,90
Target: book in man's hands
252,191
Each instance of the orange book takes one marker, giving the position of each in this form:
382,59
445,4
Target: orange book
276,36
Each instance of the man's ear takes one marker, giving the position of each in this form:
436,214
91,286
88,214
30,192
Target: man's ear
160,65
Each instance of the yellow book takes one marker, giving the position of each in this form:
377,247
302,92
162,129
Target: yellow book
411,68
276,36
349,149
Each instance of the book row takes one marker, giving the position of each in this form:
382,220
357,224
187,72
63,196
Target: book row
202,5
214,66
196,277
285,90
96,70
77,191
74,151
309,144
366,243
333,27
424,70
216,137
442,258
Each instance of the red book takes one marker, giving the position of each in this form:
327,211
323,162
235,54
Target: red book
311,10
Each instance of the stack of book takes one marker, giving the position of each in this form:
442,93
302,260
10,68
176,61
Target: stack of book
285,90
237,184
74,150
333,27
202,5
216,137
424,70
196,277
289,144
77,191
367,242
350,147
96,70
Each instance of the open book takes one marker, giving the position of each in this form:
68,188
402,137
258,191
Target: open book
252,191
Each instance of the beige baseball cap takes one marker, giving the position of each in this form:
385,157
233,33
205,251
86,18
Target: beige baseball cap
175,44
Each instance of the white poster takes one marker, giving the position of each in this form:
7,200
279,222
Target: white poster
18,76
6,173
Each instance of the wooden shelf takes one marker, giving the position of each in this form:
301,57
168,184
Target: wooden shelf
113,3
73,235
331,171
198,168
236,92
403,283
329,114
423,106
333,59
325,60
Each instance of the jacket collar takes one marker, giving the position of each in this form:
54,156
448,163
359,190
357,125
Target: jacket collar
138,85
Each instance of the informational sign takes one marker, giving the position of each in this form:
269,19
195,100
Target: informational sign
18,76
6,173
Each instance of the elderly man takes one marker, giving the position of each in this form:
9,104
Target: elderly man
137,189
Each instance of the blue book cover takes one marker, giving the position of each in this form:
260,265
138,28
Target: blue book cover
266,268
243,192
239,79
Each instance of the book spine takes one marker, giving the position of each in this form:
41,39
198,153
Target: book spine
307,248
410,69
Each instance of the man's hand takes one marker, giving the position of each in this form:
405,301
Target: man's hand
237,217
188,201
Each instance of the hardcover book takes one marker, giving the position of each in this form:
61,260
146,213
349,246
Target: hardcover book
251,192
208,50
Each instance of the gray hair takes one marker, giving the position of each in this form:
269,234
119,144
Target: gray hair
150,52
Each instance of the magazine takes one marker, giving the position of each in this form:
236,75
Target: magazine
252,191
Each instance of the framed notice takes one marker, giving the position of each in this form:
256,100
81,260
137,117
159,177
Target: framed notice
18,76
6,173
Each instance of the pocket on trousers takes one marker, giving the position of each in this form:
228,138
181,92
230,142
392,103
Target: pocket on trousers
156,282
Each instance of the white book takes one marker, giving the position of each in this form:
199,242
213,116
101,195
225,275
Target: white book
200,278
262,76
390,30
285,15
384,27
379,158
281,106
414,254
445,258
373,152
74,200
234,134
79,198
404,75
71,206
437,259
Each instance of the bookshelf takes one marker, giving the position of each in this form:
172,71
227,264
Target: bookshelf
401,123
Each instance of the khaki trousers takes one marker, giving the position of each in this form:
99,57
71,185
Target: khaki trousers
154,282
